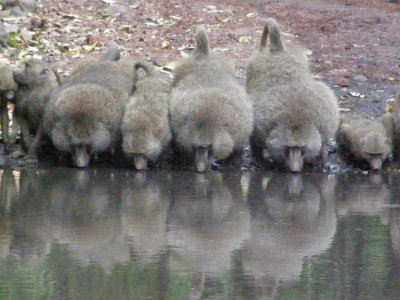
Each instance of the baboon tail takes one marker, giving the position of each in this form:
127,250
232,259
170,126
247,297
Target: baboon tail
58,77
112,54
271,32
147,67
202,48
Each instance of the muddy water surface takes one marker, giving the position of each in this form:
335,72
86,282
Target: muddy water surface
117,234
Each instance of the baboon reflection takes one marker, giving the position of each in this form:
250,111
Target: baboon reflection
293,216
207,221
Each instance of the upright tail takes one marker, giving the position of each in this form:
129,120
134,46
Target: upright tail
112,54
145,66
271,31
202,47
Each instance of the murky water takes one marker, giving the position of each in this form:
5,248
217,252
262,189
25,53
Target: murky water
117,234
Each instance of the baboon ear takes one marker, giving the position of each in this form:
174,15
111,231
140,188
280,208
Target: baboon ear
388,141
363,141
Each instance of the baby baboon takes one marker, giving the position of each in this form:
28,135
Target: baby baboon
7,87
36,81
392,119
145,127
211,116
366,140
84,115
294,114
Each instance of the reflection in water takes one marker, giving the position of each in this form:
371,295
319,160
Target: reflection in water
117,234
144,211
366,195
207,222
293,217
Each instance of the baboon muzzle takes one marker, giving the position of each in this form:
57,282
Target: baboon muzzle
294,159
376,163
81,157
202,159
140,161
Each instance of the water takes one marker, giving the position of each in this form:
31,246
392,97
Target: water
116,234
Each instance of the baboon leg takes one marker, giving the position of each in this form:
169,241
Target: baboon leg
4,122
25,134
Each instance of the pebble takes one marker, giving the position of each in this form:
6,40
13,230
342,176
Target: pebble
360,78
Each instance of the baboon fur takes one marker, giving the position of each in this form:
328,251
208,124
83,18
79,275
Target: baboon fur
7,87
145,127
366,140
84,115
294,114
211,116
36,81
392,118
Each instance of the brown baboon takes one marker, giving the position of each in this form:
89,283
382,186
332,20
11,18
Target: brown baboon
7,87
84,115
294,114
366,140
35,81
211,116
145,127
392,119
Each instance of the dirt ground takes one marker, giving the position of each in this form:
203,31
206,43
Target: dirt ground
353,44
346,38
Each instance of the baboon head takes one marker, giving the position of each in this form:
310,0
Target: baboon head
375,148
293,145
35,73
142,148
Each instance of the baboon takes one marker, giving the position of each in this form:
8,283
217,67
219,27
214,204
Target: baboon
294,114
211,116
7,88
36,81
145,127
392,119
84,115
365,140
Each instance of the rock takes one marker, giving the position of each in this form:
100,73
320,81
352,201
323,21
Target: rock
367,61
117,9
3,36
18,12
37,23
360,78
26,5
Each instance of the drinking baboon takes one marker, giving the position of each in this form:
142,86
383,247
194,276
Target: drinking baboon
145,127
211,116
294,114
365,140
392,118
84,115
